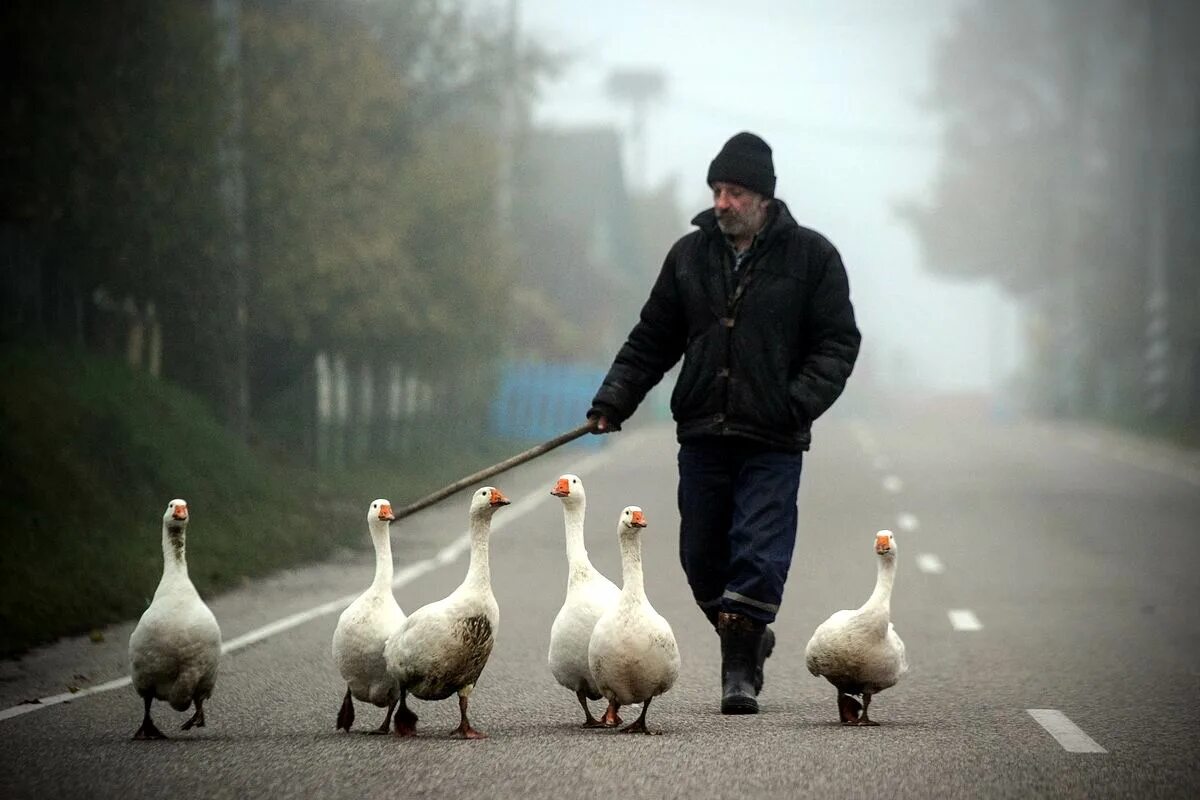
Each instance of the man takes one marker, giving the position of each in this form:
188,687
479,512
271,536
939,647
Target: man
759,309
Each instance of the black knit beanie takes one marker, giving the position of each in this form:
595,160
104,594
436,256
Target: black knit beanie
745,160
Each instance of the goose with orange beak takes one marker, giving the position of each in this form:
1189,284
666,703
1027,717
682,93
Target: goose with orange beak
442,648
632,653
859,651
176,646
364,627
589,595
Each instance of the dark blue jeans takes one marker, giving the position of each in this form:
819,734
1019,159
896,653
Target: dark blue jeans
737,509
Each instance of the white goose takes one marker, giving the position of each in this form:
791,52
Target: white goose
443,647
589,594
364,627
859,651
632,653
176,646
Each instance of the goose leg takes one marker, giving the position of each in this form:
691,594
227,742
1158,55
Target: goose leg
148,730
387,720
848,709
464,729
405,721
863,720
591,722
611,718
197,719
639,725
345,717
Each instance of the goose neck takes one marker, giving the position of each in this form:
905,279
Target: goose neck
174,547
885,576
573,515
479,572
381,538
631,566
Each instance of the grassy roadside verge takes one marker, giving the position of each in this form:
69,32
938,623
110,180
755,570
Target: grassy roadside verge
90,454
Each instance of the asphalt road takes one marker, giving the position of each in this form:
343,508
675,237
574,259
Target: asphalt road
1041,567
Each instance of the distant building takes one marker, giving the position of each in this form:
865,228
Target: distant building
580,249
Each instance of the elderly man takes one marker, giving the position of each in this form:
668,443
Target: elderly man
759,308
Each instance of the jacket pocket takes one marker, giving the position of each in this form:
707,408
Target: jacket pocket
798,412
695,392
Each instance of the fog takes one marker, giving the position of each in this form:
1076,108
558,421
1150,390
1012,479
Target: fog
836,88
1013,187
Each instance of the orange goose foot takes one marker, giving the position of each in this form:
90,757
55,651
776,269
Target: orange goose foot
464,729
611,718
848,709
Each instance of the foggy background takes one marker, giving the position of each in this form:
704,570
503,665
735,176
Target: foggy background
324,245
837,90
345,196
279,258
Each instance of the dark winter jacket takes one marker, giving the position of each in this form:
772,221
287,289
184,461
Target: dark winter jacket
766,350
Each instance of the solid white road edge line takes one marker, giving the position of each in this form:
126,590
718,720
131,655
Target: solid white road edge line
1069,735
405,576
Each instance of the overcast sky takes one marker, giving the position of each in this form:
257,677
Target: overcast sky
834,86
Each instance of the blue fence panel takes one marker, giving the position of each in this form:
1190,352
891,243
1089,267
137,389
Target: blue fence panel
537,401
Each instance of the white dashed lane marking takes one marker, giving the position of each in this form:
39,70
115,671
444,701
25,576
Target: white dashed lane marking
1069,735
892,484
963,619
907,522
928,562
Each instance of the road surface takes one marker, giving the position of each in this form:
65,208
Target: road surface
1047,593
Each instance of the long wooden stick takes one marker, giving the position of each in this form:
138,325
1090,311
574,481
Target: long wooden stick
483,474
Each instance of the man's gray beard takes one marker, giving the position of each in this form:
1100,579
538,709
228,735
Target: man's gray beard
735,224
732,224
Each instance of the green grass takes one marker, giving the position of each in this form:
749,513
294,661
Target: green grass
91,453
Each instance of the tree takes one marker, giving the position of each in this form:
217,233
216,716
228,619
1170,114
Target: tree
1054,170
108,142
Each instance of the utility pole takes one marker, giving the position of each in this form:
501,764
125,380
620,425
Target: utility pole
1158,328
227,14
637,88
1074,355
505,189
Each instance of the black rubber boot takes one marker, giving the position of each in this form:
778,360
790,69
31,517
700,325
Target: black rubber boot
741,657
765,648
